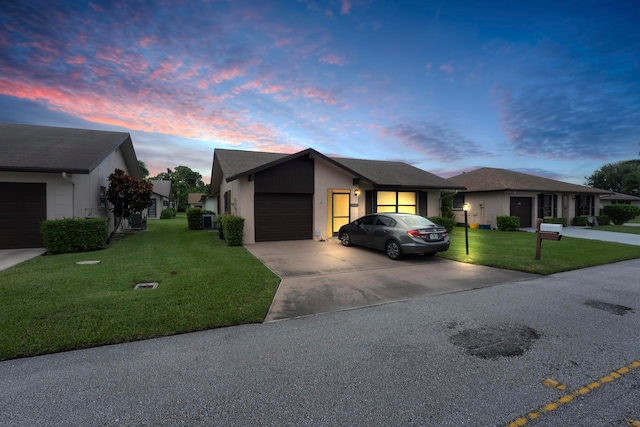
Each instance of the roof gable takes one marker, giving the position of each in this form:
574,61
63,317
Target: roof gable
30,148
494,179
237,163
162,187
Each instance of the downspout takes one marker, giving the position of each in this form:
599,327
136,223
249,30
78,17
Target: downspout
73,194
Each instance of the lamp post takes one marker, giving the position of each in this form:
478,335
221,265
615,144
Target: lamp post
465,208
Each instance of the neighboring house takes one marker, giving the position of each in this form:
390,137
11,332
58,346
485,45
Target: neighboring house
494,192
618,198
53,173
195,200
160,199
308,195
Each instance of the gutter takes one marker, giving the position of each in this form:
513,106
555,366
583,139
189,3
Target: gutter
73,194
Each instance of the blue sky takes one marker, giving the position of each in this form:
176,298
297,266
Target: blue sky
543,87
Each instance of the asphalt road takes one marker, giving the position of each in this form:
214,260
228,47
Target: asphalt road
473,358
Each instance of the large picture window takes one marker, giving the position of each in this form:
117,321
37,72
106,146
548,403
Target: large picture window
584,206
397,201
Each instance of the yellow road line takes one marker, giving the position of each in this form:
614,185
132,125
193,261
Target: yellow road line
563,400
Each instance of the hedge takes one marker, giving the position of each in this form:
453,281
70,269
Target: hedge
508,223
620,214
169,213
447,223
194,218
74,235
562,221
232,230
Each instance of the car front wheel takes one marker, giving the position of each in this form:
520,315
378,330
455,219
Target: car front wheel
345,239
393,249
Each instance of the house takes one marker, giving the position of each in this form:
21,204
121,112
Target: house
618,198
308,195
195,200
54,173
492,192
160,199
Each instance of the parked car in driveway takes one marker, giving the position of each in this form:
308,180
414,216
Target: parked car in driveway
397,234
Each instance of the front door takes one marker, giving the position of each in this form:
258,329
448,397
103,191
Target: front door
339,211
521,207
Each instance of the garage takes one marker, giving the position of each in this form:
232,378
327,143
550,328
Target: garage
23,208
283,216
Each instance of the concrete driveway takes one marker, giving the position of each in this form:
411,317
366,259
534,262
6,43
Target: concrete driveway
11,257
321,277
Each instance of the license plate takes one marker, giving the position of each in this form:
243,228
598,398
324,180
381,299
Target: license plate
434,236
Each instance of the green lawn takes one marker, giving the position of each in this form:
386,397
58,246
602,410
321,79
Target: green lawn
617,228
50,304
517,250
636,220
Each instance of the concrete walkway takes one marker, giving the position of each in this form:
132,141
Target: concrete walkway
323,277
11,257
605,236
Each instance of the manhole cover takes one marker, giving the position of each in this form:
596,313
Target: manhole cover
619,310
150,285
492,342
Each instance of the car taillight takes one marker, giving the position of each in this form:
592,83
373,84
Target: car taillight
415,233
445,232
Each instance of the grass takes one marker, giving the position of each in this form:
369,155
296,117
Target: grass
617,229
516,251
50,304
636,220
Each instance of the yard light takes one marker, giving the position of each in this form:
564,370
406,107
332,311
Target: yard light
465,208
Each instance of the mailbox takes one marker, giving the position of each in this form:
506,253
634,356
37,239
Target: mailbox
551,228
546,232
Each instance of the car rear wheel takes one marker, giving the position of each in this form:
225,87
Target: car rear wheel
393,249
345,239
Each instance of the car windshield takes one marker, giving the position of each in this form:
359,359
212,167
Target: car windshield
416,221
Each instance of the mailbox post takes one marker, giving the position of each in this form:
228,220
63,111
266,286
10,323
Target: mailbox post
546,232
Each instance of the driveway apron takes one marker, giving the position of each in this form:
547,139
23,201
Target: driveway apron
320,277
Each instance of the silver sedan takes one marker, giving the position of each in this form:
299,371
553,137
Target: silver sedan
397,234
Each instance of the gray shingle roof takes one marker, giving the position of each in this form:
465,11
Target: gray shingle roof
236,163
620,196
29,148
493,179
162,187
390,174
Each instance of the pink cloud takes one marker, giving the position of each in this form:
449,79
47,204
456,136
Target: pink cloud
76,60
447,68
345,7
318,94
333,59
145,41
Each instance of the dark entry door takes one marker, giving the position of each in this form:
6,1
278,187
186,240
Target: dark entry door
522,207
23,206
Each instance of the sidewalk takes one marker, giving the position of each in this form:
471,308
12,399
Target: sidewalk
605,236
11,257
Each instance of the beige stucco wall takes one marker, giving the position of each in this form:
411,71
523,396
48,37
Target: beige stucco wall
242,204
498,203
328,177
77,195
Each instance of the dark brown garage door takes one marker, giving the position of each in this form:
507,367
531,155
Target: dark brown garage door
283,216
22,207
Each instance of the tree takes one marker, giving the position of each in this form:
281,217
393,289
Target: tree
622,177
127,195
143,168
184,180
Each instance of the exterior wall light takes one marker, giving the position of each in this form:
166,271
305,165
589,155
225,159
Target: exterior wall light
356,192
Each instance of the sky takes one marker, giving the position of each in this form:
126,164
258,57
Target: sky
550,88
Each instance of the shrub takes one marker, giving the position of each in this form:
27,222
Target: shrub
508,223
74,235
194,218
168,213
580,221
233,230
604,219
562,221
219,225
447,223
620,214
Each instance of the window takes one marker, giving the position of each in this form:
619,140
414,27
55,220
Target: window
397,201
227,202
152,209
386,221
458,201
584,206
